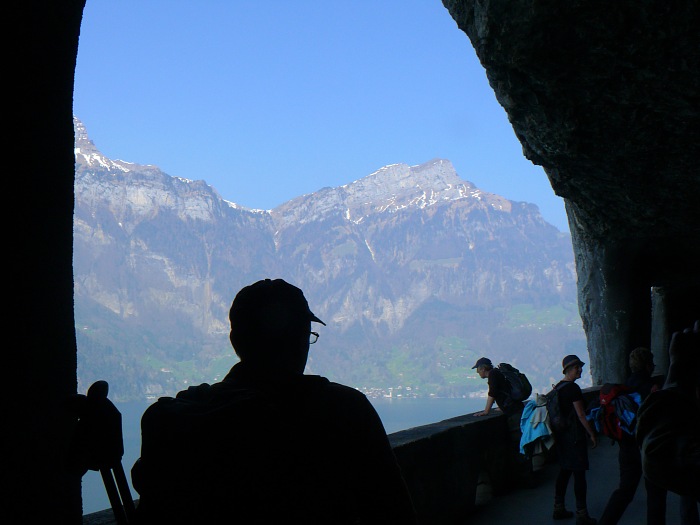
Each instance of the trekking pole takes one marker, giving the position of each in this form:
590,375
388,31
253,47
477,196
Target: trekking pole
114,497
119,494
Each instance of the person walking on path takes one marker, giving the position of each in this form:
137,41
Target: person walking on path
572,448
641,363
668,431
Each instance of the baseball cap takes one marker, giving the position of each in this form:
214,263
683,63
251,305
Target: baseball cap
481,362
270,304
570,360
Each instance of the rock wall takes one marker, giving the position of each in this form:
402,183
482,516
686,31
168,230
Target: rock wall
604,96
40,371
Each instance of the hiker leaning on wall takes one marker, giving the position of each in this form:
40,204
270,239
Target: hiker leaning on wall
498,393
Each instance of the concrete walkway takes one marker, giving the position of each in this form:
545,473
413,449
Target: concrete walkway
534,506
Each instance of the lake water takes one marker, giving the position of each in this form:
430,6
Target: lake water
396,414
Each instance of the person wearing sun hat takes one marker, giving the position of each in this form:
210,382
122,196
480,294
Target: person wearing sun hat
571,360
254,447
572,448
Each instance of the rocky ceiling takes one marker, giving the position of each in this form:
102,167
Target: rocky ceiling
606,97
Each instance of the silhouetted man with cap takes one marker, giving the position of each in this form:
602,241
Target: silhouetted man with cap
269,444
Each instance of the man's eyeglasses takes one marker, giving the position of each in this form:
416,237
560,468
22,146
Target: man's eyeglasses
313,337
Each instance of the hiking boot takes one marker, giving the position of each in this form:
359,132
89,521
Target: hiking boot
582,518
560,512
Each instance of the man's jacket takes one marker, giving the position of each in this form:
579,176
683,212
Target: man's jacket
260,449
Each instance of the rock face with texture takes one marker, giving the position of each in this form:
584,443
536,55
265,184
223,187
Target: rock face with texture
605,96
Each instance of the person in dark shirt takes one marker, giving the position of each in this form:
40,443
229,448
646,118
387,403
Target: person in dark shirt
572,448
641,363
499,393
668,428
499,390
269,444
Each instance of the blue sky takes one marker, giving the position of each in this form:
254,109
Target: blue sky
269,100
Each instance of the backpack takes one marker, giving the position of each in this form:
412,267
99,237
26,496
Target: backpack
616,415
556,420
520,387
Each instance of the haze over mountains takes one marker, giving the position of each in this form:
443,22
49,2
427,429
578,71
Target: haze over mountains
415,271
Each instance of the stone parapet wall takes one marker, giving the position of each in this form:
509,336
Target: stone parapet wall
453,465
450,466
444,463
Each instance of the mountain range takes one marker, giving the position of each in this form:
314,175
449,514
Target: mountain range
415,271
